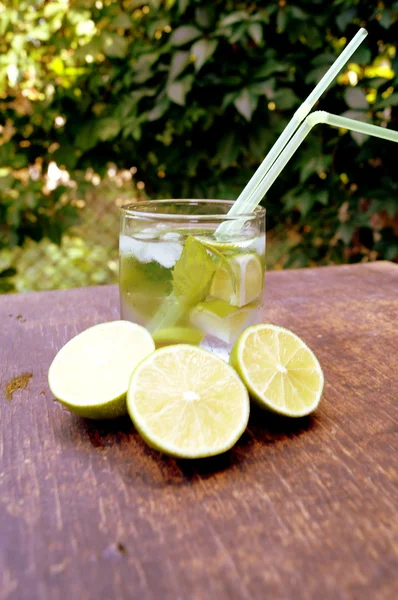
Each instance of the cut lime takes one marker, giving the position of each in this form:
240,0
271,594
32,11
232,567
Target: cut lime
279,369
177,335
90,374
236,246
187,402
246,285
220,319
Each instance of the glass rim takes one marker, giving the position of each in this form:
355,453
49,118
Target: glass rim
145,212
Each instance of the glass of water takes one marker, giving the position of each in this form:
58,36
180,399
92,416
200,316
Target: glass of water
188,278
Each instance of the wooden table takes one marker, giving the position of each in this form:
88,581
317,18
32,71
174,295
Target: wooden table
303,509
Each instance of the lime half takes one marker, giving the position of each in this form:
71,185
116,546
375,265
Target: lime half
187,402
245,286
90,374
279,369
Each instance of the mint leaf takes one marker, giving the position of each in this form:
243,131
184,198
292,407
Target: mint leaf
223,262
192,273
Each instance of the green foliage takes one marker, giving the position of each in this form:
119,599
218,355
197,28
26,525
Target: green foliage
44,265
193,94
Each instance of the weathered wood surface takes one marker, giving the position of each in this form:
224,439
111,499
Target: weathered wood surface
305,509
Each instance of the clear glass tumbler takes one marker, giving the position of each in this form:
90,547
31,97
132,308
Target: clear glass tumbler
187,279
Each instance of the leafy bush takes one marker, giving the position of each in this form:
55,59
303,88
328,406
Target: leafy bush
192,95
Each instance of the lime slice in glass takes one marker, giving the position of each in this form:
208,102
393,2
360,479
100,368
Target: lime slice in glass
279,370
220,319
177,335
245,286
187,402
90,374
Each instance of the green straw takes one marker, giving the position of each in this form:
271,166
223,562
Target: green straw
242,203
312,120
170,310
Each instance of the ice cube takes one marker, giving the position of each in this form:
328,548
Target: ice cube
172,235
258,245
126,245
150,233
164,253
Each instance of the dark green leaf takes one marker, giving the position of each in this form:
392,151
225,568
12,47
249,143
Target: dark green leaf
65,156
143,67
122,21
19,161
362,56
388,201
29,199
298,13
256,33
265,88
179,63
355,98
108,128
87,137
228,149
177,90
345,18
114,45
281,20
391,251
238,34
392,100
316,164
285,99
233,18
10,272
182,6
386,18
184,34
135,97
269,68
306,201
323,59
246,103
6,182
204,16
203,50
159,109
345,232
308,169
260,141
323,197
228,99
6,286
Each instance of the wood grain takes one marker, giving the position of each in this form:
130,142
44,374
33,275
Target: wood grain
304,509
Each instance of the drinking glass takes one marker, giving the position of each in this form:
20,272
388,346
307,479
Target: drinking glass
183,280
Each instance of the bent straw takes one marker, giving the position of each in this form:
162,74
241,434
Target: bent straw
240,205
314,119
170,310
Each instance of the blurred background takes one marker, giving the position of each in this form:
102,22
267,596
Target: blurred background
106,102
